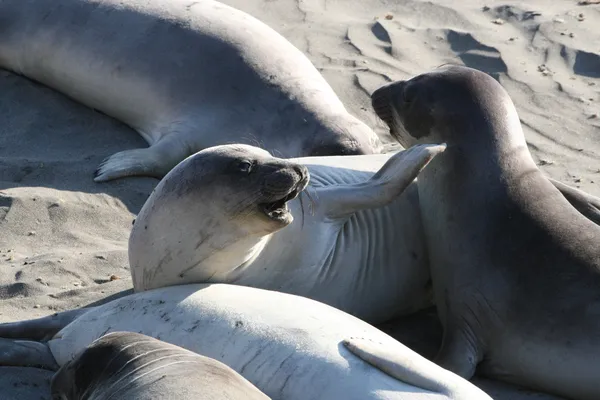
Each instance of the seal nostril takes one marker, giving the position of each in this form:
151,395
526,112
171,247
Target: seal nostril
301,171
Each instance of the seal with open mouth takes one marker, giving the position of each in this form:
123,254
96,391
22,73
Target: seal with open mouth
352,238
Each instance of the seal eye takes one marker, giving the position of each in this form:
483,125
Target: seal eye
245,166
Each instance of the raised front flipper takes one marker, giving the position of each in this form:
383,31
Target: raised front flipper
25,353
407,366
338,201
585,203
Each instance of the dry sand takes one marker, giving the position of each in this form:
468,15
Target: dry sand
64,237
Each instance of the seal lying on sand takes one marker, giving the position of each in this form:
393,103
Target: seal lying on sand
185,75
515,267
357,246
289,347
127,365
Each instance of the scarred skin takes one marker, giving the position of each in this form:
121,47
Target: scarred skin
128,365
289,347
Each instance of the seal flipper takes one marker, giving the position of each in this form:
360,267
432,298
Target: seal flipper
585,203
25,353
155,161
40,329
458,353
409,367
341,201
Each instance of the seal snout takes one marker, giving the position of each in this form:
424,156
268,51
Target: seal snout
283,180
382,100
281,186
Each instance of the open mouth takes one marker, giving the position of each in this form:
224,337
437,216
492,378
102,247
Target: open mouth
278,210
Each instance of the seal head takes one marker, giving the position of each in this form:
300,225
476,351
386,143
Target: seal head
418,110
515,267
240,195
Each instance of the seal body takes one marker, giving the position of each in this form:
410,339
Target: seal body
371,263
186,75
354,238
289,347
127,365
515,267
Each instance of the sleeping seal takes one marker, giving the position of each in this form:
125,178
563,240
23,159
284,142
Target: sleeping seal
185,75
289,347
515,267
127,365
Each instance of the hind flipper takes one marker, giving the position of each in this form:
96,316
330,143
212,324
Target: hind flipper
585,203
40,329
154,161
24,353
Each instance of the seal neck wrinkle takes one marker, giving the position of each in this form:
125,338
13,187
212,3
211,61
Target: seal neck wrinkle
231,258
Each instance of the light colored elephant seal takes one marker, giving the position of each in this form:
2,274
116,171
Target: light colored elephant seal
184,74
515,267
127,365
289,347
352,239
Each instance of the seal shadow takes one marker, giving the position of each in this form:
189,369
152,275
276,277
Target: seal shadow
48,140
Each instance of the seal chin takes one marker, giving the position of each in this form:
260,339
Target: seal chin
278,210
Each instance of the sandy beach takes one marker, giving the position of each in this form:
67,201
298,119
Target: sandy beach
64,237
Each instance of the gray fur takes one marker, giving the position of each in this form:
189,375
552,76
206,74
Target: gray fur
184,74
353,238
127,365
289,347
515,267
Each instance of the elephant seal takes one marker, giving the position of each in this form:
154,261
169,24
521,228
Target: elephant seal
357,245
289,347
184,74
127,365
515,267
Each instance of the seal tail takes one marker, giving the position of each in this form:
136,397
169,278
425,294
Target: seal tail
40,329
407,366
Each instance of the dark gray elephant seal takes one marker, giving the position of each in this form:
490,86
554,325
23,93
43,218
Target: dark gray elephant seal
184,74
127,365
515,267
